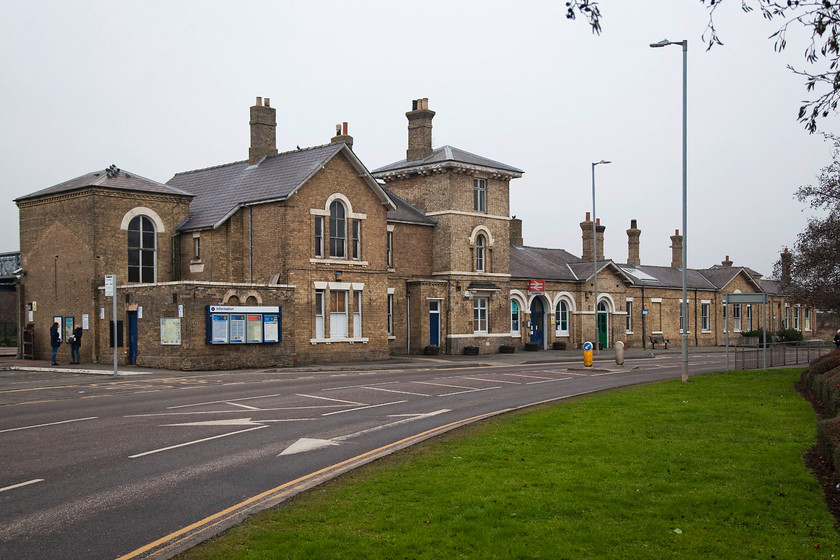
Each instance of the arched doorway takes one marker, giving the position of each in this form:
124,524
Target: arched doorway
603,325
537,322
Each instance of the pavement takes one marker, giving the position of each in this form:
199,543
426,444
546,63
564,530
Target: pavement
604,359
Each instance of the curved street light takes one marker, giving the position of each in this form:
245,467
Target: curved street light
595,256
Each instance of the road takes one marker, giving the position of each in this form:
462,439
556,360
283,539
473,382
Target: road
103,468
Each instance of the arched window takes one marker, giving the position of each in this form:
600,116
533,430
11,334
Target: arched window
141,250
338,230
514,316
561,318
480,244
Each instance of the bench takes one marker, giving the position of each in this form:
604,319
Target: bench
658,339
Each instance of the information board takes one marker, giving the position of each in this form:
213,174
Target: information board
234,324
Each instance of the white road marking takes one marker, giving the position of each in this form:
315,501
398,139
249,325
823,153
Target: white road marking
22,484
394,391
491,380
309,444
248,407
334,400
362,408
223,402
441,385
194,442
228,422
547,381
528,376
468,391
50,424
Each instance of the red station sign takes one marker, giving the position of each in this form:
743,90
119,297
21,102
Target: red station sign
536,286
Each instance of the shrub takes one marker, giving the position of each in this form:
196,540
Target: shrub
825,363
507,349
789,335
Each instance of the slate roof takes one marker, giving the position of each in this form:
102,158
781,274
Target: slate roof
720,277
667,277
548,264
220,191
447,156
406,213
124,180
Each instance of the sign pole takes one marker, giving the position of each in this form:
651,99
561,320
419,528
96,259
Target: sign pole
111,290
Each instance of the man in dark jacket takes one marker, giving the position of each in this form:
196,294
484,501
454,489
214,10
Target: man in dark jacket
55,341
75,344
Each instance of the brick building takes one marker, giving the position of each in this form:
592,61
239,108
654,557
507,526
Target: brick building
306,256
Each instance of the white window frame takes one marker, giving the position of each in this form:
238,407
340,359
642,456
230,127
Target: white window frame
480,317
356,236
515,317
357,314
796,317
705,316
319,313
390,314
144,253
480,253
338,319
807,318
338,230
319,237
736,317
389,249
561,318
628,307
480,195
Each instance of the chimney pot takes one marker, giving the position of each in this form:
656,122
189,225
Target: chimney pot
345,129
267,102
633,224
588,217
259,101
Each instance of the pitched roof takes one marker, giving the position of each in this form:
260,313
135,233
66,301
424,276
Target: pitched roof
220,191
721,277
537,262
406,213
122,180
666,277
447,156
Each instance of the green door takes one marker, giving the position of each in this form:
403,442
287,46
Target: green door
602,325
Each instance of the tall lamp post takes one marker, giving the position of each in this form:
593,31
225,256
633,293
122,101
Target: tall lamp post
595,255
684,304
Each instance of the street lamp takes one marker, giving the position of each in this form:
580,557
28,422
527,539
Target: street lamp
595,254
684,304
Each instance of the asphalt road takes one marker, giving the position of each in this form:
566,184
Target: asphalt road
104,468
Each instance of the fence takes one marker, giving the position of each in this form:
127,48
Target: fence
780,354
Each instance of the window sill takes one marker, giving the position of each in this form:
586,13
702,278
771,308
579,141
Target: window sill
338,340
343,262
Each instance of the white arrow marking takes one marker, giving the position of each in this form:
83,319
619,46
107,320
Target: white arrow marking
229,422
307,444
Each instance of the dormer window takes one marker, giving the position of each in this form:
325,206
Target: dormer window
480,195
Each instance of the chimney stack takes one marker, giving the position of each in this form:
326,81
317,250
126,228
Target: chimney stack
633,235
586,237
263,131
419,130
727,263
342,136
599,239
516,232
676,250
787,257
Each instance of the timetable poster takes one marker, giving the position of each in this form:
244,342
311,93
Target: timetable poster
255,328
271,328
237,329
219,327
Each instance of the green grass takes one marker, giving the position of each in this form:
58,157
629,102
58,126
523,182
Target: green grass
708,469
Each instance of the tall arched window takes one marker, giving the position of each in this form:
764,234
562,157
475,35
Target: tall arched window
479,253
141,250
514,317
338,230
562,318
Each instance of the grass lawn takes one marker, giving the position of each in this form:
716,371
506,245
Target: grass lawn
708,469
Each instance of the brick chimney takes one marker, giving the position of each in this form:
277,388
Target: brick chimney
787,257
727,263
586,237
516,232
263,131
676,249
419,130
633,235
599,239
342,136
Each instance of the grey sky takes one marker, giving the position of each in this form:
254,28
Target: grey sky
161,87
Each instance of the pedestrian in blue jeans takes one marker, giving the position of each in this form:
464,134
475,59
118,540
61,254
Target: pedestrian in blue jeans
75,344
55,341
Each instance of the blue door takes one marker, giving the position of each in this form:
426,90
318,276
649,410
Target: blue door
132,338
537,322
434,323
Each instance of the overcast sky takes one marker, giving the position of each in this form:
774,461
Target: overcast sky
162,87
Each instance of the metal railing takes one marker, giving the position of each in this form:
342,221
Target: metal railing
780,354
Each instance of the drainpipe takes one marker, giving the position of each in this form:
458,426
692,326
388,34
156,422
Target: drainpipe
644,321
696,339
250,244
408,321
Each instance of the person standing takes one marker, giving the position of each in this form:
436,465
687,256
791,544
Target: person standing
75,344
55,341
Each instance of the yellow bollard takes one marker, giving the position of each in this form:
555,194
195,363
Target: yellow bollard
587,354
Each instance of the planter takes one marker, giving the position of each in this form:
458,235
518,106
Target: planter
507,349
532,346
559,345
431,350
471,350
